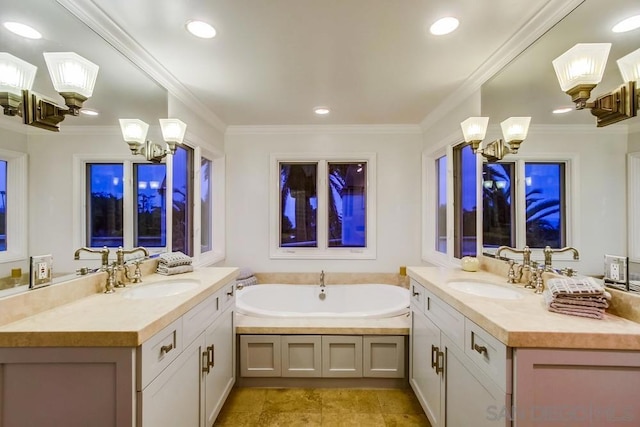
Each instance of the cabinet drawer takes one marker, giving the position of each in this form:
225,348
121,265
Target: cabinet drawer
491,356
196,320
158,352
417,295
449,320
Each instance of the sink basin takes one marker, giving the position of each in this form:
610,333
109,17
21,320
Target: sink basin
488,290
165,288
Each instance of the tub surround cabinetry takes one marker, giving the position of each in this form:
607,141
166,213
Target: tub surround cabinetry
483,361
161,362
322,356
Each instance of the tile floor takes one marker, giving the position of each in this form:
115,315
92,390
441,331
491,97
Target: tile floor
321,407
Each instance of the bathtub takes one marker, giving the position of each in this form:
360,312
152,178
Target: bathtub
339,301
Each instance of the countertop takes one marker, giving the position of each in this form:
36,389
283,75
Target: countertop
110,320
526,322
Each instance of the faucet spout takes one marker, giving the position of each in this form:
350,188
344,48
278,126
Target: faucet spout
526,253
104,253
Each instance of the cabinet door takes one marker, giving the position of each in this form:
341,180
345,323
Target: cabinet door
425,381
173,397
341,356
260,355
220,378
472,398
301,356
383,356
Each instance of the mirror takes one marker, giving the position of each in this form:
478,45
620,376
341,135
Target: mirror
597,156
122,90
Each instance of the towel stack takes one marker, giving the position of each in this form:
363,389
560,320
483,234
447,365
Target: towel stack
584,297
246,278
171,263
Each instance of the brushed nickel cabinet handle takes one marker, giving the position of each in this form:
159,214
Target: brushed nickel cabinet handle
166,348
434,355
230,293
205,361
413,291
210,350
440,362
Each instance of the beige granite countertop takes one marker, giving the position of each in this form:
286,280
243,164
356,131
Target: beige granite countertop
526,322
110,320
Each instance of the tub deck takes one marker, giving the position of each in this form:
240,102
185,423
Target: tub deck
398,325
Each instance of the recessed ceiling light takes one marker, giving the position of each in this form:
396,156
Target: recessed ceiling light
201,29
88,112
562,110
22,30
444,26
628,24
321,111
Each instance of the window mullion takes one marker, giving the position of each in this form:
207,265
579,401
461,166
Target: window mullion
520,220
322,213
128,204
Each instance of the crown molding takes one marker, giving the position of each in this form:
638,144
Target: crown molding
96,19
324,129
546,17
541,129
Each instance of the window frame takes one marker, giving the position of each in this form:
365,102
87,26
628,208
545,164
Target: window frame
322,251
17,213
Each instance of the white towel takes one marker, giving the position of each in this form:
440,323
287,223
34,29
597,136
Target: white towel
249,281
174,259
170,271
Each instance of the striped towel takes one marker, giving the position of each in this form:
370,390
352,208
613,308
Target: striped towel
249,281
573,286
584,297
170,271
174,259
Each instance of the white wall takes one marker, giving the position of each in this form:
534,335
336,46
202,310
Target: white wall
398,194
199,132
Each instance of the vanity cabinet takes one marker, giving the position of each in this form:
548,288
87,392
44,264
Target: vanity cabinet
447,352
322,356
178,377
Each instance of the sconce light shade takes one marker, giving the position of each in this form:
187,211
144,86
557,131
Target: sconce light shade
16,75
515,128
583,64
173,130
630,67
474,128
71,73
134,131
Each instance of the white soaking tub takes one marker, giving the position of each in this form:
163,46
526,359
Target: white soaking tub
339,301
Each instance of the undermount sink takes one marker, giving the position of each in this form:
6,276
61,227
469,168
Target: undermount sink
165,288
483,289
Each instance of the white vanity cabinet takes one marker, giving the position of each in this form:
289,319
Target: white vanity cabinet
457,371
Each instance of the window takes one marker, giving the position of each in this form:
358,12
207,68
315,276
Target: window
105,195
465,196
151,217
441,217
206,205
322,207
182,195
542,195
13,206
3,206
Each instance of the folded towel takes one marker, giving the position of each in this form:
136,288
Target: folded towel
570,286
591,307
249,281
169,271
244,273
173,259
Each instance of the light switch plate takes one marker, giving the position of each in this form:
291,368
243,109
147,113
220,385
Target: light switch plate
41,273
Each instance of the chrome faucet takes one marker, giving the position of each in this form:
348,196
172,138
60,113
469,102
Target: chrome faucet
322,279
121,265
104,252
548,253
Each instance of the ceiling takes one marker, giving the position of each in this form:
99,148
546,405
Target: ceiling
272,61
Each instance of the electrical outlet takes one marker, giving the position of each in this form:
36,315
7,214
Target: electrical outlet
43,270
40,271
614,271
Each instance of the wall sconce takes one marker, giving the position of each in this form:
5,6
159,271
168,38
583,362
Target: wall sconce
134,133
580,69
514,131
73,78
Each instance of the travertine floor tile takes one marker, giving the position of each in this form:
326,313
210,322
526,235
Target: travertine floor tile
398,420
347,401
301,400
395,401
352,420
245,400
290,419
237,419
